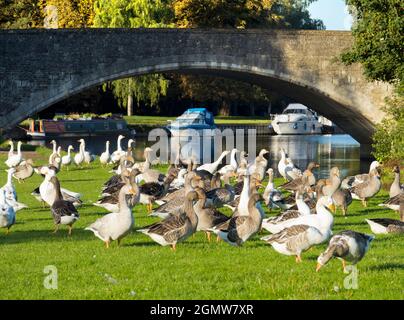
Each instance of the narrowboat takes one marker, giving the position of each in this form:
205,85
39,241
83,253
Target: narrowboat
49,129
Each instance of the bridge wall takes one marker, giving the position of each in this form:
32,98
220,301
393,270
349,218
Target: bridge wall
41,67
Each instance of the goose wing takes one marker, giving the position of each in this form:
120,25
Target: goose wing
62,208
171,228
151,189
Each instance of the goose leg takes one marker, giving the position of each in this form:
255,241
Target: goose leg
56,228
70,230
173,247
107,244
217,238
343,264
208,236
119,242
8,230
298,259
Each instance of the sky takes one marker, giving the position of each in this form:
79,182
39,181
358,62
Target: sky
333,13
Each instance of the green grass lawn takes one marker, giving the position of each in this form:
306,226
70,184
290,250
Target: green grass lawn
162,121
141,269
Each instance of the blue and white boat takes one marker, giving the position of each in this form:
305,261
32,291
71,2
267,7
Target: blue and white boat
193,120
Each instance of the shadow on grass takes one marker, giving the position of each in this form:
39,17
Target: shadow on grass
77,180
387,266
18,237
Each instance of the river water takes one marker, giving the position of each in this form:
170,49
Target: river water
327,150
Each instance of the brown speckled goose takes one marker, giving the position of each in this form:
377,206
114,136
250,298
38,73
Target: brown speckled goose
386,225
294,240
63,212
207,217
346,245
396,188
176,204
241,228
151,191
175,228
307,178
342,199
368,189
330,185
24,170
394,203
352,181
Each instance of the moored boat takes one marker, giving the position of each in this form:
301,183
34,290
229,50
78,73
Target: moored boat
193,121
297,119
41,129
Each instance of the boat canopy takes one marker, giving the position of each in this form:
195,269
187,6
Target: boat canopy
195,116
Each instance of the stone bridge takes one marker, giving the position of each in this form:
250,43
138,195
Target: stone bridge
41,67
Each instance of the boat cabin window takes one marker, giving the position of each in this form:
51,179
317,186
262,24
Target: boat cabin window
297,111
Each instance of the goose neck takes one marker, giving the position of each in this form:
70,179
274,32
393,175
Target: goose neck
190,212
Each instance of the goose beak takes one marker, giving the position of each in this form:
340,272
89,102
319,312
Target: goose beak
332,207
318,267
132,191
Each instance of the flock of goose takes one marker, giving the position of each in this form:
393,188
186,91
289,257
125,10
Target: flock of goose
189,195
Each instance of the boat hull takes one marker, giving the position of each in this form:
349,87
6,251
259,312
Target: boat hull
300,128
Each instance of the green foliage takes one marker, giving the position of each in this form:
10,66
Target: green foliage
21,14
135,14
244,14
379,47
388,140
71,13
379,39
146,89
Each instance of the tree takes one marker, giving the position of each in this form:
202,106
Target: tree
135,14
22,14
244,14
70,13
379,39
379,45
388,141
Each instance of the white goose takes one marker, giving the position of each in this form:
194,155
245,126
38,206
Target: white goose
130,142
232,167
88,157
79,157
11,151
7,213
15,159
10,193
105,157
118,153
212,167
273,197
282,164
302,233
323,219
54,151
67,159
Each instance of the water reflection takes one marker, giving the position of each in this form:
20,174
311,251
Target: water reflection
328,150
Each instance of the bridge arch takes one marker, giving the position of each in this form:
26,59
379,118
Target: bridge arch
298,64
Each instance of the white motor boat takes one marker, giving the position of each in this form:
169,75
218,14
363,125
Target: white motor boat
297,119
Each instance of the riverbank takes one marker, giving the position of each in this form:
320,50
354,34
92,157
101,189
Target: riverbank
141,269
162,121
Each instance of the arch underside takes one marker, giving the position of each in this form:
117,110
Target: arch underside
344,116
